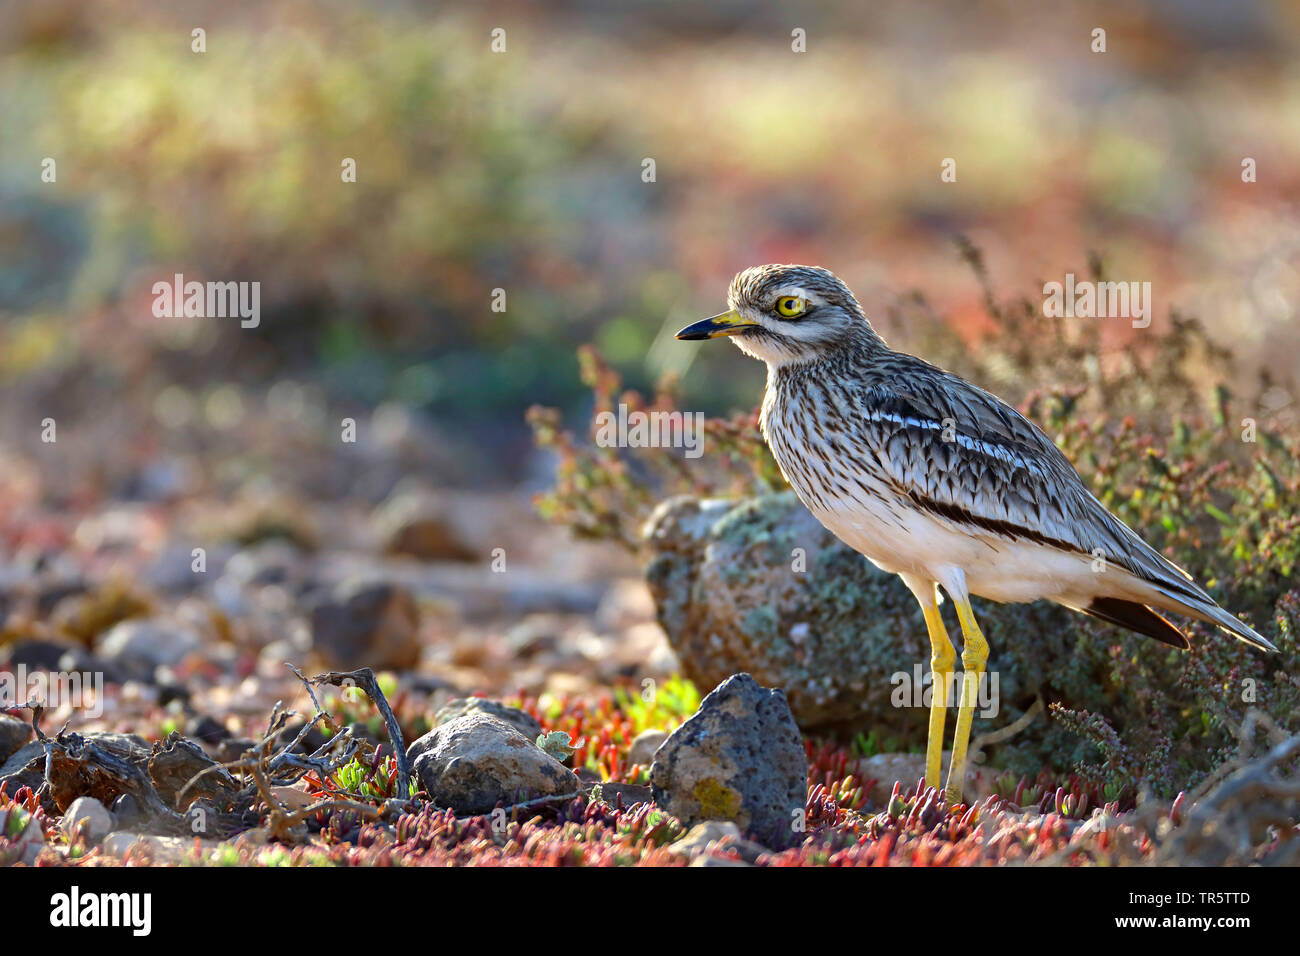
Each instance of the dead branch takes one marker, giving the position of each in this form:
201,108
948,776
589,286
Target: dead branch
364,678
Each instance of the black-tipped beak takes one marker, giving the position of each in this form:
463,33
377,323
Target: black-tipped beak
728,323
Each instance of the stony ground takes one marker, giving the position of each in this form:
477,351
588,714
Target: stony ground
541,717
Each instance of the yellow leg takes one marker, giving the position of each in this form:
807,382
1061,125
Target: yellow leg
942,658
974,654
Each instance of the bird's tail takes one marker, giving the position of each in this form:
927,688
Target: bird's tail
1202,608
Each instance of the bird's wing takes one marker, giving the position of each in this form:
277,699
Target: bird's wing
966,455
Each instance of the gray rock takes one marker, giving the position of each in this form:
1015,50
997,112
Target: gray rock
523,722
311,741
88,815
890,768
644,745
361,731
366,623
126,811
13,734
233,749
274,562
476,761
151,641
25,767
739,758
206,730
204,818
535,634
82,660
37,654
703,838
704,835
172,570
51,592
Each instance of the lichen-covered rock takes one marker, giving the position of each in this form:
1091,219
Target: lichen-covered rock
523,722
739,758
477,760
760,586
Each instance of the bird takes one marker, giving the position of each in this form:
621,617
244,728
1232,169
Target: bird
940,482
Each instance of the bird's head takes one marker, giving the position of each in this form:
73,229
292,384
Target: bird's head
782,314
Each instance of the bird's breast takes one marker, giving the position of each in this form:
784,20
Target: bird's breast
835,472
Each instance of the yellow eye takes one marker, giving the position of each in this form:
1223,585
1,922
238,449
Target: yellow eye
790,306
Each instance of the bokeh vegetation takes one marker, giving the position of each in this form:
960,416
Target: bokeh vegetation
522,171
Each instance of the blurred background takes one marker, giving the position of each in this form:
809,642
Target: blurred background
523,171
